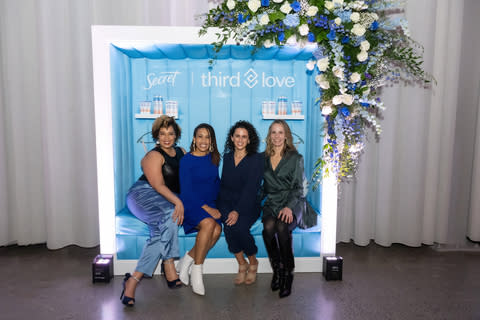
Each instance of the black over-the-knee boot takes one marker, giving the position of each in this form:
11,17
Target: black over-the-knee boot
274,257
286,271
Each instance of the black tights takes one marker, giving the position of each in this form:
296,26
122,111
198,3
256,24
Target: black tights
277,236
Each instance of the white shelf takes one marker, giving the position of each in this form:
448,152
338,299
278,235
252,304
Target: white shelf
148,116
284,116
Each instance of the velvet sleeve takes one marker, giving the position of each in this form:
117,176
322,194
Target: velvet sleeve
249,192
296,189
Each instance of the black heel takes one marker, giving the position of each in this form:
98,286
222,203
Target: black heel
126,300
275,284
174,284
286,279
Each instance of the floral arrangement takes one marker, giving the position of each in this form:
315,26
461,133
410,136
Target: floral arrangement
359,47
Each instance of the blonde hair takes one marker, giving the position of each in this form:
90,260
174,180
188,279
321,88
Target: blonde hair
165,122
288,146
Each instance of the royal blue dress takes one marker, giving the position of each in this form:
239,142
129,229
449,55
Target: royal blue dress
199,184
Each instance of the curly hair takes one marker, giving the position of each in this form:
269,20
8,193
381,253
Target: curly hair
165,122
288,146
213,142
252,147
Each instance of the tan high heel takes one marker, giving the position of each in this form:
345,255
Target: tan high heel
242,273
252,274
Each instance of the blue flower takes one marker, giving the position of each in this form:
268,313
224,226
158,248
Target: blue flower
291,20
331,35
345,112
265,3
365,104
374,26
311,37
241,19
319,53
345,40
296,6
343,14
281,36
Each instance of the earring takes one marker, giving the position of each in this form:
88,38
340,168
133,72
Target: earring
193,145
210,148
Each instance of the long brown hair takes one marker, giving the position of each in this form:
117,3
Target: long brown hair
213,142
289,146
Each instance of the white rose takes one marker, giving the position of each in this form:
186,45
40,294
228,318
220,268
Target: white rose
253,5
355,77
230,4
358,30
362,56
312,10
338,21
322,82
303,29
326,110
358,5
347,99
285,8
355,16
268,43
322,64
338,72
264,20
339,2
278,1
329,5
337,99
374,16
311,65
364,45
292,40
324,85
343,98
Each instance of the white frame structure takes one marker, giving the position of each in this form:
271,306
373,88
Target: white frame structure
102,38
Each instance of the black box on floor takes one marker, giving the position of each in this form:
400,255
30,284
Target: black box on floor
332,268
102,268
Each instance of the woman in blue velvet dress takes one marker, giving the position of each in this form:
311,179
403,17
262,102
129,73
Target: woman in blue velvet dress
199,183
237,201
154,200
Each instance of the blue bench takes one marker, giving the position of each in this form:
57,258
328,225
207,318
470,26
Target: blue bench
131,235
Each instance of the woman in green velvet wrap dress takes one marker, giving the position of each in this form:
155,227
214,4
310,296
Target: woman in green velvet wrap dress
283,189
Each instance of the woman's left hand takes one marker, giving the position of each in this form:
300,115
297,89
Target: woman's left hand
232,218
286,215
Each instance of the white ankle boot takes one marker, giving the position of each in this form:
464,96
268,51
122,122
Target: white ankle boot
183,268
197,279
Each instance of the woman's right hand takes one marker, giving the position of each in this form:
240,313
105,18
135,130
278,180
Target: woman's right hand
178,212
212,211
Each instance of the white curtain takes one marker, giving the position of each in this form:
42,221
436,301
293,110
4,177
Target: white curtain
414,186
48,187
417,185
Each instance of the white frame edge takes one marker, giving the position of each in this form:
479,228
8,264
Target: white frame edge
102,38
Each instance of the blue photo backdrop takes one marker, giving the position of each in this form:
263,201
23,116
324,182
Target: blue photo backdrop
217,91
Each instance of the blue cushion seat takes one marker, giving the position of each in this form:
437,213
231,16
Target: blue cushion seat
131,235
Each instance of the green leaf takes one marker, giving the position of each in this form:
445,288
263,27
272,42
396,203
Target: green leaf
278,15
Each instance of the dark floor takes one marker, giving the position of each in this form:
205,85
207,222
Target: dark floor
378,283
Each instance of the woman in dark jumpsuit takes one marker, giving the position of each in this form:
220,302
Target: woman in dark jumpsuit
237,201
